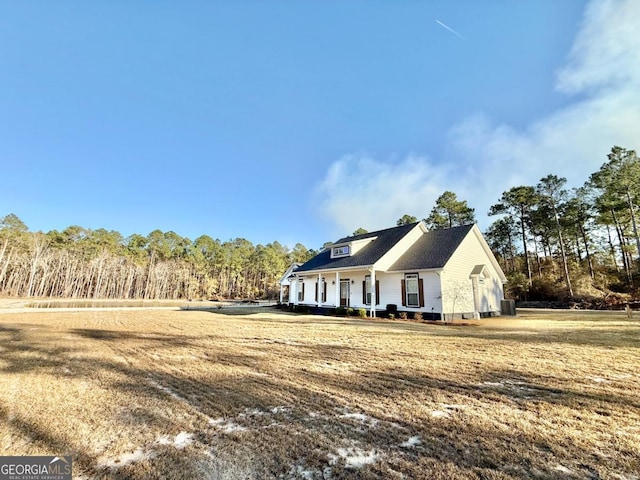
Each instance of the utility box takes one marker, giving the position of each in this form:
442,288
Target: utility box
508,307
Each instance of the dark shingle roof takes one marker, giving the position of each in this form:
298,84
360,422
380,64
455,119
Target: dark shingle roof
432,250
368,255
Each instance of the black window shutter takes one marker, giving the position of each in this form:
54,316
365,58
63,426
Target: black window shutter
377,292
325,291
316,291
364,292
421,292
404,293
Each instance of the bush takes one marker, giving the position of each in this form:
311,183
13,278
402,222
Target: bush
392,316
403,315
362,313
350,311
417,316
341,311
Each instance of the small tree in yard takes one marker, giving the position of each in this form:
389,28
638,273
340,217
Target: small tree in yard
458,293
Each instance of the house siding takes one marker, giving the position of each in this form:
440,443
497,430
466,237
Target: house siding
458,286
389,287
391,291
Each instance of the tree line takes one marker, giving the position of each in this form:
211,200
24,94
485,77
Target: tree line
552,243
558,244
586,236
82,263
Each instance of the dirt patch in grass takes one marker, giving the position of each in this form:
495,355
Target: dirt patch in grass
193,394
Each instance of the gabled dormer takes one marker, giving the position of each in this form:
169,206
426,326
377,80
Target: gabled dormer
347,249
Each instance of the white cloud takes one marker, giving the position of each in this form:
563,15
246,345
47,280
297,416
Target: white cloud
358,191
486,158
606,51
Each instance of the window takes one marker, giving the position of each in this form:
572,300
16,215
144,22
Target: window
367,292
340,251
323,291
367,289
411,282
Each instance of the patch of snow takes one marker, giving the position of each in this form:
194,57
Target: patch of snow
598,379
563,469
273,424
361,417
164,440
301,472
168,391
282,409
231,427
440,414
227,426
138,455
412,442
255,412
356,457
491,384
182,440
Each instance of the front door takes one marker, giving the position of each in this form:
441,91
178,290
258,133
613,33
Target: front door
344,293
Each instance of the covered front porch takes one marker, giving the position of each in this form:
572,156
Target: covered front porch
333,289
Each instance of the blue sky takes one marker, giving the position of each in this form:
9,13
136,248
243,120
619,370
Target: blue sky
302,121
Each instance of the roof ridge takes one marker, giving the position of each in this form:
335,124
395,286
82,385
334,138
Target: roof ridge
375,233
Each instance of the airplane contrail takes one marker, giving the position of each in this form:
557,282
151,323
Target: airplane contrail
443,25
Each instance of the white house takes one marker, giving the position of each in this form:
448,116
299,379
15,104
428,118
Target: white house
450,272
285,283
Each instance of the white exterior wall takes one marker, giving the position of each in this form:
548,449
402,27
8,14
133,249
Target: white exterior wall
389,285
310,281
457,285
391,291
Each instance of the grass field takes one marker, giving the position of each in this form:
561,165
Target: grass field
250,394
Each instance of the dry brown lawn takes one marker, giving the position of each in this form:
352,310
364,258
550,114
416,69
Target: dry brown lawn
251,394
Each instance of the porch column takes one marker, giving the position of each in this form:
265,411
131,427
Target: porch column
337,289
476,296
372,285
319,301
281,292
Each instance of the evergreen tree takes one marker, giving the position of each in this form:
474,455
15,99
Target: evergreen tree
406,220
450,212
